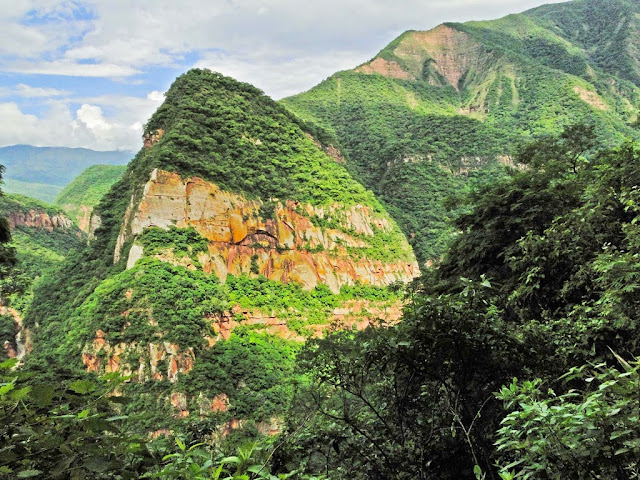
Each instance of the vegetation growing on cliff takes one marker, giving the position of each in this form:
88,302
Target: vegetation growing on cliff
38,248
87,189
414,141
540,285
232,134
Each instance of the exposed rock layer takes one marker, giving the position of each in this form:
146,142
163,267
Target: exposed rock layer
288,247
38,219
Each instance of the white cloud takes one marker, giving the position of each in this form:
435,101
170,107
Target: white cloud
23,90
87,127
26,91
281,46
72,69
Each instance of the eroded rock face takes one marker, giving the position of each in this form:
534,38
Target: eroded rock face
22,343
39,219
299,243
151,361
443,54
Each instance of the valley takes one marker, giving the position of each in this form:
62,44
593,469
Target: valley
424,267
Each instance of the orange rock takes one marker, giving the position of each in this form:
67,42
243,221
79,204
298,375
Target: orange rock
232,225
91,362
220,403
113,364
238,228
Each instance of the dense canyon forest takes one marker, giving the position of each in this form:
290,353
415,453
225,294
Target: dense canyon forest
426,267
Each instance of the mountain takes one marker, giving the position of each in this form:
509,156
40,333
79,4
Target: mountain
80,197
42,172
437,112
42,236
231,237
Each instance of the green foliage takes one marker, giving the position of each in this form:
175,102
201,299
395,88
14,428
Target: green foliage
543,276
408,401
41,191
408,142
254,370
57,429
197,462
232,134
37,249
88,188
181,241
176,299
588,432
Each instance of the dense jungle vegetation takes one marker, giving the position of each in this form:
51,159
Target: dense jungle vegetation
515,359
517,353
523,78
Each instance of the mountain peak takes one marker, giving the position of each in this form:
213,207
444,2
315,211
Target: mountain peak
441,56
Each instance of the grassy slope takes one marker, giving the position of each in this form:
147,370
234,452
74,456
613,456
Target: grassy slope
521,83
88,188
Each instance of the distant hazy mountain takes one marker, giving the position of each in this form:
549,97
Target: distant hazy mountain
42,172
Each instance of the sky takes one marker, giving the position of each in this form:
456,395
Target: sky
89,74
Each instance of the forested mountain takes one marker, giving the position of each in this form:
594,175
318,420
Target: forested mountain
231,238
438,111
80,197
244,308
42,172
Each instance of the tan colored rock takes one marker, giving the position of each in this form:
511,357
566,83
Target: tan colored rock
39,219
385,68
239,238
91,362
220,403
271,427
179,402
135,253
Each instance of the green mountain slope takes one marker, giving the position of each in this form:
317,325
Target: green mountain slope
43,237
230,238
80,197
435,112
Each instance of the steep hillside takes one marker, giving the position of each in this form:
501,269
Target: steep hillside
230,225
42,172
435,112
42,236
80,197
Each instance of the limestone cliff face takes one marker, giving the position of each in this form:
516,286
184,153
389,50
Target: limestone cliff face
39,219
83,214
299,243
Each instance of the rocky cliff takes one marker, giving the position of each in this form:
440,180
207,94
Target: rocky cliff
34,218
292,246
442,56
233,236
